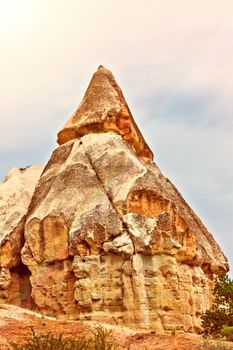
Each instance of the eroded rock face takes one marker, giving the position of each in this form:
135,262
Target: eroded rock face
136,252
107,236
15,195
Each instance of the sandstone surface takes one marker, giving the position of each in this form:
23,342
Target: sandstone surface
107,237
15,195
104,108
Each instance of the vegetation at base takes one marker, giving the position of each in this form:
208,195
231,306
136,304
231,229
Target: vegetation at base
218,321
213,345
99,340
227,332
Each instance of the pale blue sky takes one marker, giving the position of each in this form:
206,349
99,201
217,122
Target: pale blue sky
173,60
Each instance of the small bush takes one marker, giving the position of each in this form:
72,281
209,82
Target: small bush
100,340
213,321
221,312
227,332
213,345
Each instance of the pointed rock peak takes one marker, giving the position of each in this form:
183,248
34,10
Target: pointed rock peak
104,109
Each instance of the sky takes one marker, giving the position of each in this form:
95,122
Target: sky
173,61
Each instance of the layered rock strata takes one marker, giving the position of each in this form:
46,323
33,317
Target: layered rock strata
107,237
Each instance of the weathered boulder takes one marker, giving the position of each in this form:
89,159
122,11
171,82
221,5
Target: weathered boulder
107,236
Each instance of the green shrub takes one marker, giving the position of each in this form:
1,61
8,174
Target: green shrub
213,321
227,332
100,340
221,313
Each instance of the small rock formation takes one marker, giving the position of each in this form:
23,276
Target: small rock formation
15,195
107,237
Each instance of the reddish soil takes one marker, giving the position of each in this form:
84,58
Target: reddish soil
16,323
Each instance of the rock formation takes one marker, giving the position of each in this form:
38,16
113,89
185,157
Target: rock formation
107,237
15,195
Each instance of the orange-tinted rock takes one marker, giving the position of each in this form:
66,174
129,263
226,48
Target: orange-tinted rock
47,240
12,245
15,194
103,109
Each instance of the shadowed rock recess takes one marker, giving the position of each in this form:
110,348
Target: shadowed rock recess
106,236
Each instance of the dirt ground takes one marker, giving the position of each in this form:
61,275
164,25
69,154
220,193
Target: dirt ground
16,323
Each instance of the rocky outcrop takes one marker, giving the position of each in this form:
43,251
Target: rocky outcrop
15,195
107,236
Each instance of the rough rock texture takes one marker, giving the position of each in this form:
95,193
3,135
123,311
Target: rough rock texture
104,108
107,236
15,195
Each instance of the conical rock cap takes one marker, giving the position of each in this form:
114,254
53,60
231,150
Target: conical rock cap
103,109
